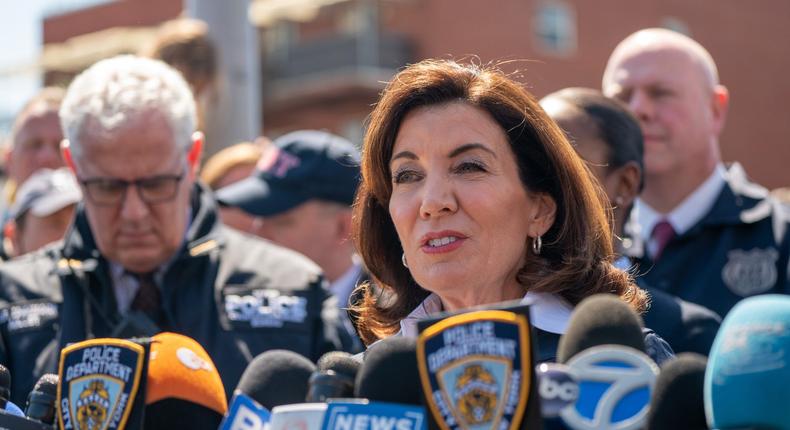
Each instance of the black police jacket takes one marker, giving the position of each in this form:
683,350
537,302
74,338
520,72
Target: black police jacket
236,295
739,249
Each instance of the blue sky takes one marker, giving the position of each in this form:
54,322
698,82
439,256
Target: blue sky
20,44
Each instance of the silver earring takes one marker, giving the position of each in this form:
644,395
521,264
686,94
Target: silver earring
403,260
537,245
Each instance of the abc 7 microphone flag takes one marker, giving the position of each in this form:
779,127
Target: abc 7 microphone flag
615,387
476,370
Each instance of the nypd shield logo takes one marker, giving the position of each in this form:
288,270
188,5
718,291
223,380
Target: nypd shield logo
99,381
475,370
750,272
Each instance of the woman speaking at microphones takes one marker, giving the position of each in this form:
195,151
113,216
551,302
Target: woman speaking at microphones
471,195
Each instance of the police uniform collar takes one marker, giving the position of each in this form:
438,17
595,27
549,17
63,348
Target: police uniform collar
740,201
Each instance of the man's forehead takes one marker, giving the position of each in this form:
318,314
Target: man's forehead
129,150
654,66
648,54
35,116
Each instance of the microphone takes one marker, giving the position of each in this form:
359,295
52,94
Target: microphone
677,399
41,401
558,388
5,386
273,378
605,349
385,406
747,378
600,320
276,377
389,372
166,381
387,386
183,388
334,377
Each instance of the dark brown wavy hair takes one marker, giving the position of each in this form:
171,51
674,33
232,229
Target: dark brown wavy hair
576,258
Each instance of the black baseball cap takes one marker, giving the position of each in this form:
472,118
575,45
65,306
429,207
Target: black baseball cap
297,167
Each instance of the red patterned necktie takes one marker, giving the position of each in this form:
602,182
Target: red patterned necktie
662,234
148,298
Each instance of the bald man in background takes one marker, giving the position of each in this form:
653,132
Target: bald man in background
700,230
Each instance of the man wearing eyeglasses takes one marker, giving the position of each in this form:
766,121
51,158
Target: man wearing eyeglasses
147,252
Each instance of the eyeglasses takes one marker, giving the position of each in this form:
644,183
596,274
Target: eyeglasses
110,192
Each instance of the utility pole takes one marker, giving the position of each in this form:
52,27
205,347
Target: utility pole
236,115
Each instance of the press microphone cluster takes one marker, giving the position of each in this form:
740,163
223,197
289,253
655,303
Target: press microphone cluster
283,390
163,382
40,409
604,348
474,370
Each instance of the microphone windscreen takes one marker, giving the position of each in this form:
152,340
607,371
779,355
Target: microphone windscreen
47,384
748,374
182,382
390,372
171,413
41,401
677,398
339,362
276,377
602,319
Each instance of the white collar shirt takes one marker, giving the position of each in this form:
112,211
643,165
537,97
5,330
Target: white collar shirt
548,312
685,215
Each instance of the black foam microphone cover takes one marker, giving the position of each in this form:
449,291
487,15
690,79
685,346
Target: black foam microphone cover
390,372
41,401
5,386
677,401
602,319
172,413
334,378
277,377
339,362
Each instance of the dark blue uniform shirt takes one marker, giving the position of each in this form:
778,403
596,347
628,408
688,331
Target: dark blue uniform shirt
739,249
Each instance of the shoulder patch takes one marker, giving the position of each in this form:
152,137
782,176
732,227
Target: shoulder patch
28,315
747,273
265,307
475,370
99,382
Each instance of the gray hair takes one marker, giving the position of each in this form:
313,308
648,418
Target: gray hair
109,93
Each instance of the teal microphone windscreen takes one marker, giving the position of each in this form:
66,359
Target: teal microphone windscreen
748,373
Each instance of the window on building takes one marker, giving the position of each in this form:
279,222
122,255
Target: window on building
554,27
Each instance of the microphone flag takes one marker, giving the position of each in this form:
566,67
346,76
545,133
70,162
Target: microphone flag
615,386
245,414
99,382
476,370
359,414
